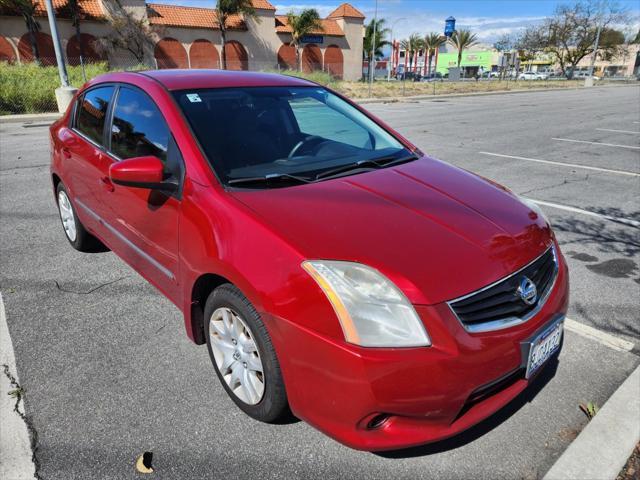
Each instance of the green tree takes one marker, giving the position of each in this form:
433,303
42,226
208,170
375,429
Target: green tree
302,24
227,8
462,40
380,42
26,8
410,46
432,42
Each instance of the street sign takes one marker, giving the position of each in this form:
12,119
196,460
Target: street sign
312,39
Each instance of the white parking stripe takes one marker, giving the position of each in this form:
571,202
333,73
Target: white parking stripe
598,335
15,447
597,143
617,131
568,208
563,164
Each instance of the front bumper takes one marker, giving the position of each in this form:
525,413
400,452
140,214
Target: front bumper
429,394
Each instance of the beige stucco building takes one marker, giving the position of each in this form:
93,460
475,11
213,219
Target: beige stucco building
189,37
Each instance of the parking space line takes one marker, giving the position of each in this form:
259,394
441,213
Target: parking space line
568,208
596,143
16,457
617,131
563,164
599,336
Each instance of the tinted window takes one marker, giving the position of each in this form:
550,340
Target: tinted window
262,131
138,127
92,111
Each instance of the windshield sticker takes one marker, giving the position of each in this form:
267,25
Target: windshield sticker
194,97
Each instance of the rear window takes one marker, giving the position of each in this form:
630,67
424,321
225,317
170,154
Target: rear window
91,112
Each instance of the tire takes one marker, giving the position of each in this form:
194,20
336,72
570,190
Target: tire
231,325
76,233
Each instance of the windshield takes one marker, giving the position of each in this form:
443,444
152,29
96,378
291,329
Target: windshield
285,132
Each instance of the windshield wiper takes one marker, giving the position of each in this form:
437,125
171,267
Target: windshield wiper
270,179
372,164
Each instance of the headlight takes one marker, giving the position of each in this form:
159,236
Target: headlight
372,311
535,207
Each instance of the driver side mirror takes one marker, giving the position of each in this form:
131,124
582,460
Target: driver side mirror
140,172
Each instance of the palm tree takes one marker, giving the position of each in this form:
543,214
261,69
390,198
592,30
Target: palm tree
432,42
26,8
308,21
411,45
368,43
227,8
461,40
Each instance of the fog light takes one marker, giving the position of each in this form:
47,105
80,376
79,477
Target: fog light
378,421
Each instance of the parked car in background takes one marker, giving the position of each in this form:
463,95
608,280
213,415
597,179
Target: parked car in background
329,265
432,77
529,75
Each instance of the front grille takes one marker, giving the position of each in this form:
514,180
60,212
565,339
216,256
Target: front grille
503,303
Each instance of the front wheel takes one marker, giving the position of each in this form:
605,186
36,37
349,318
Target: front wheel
243,355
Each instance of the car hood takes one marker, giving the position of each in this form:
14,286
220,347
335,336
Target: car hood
437,231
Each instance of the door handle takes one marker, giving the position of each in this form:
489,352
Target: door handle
107,184
66,152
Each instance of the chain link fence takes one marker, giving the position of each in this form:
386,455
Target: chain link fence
29,87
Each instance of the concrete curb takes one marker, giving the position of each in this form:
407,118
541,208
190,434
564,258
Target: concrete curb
605,444
364,101
30,118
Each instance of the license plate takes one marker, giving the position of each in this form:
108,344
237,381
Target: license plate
543,347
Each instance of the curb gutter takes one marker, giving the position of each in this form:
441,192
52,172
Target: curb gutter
602,449
30,118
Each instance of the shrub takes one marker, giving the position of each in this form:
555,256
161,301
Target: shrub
29,88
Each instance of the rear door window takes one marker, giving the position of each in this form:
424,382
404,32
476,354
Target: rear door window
138,128
91,113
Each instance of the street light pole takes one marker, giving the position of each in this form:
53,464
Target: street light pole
372,59
62,69
65,93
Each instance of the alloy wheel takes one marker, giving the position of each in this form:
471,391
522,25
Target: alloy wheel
236,355
66,215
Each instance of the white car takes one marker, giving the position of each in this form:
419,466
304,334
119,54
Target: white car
532,76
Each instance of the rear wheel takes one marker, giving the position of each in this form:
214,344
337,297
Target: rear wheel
243,355
78,236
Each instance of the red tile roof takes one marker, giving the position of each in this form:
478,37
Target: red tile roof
329,27
190,17
89,9
346,10
263,4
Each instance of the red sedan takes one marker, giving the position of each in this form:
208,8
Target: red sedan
333,270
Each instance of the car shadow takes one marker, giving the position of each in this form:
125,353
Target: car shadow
485,426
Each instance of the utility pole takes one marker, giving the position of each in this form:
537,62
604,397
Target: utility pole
65,93
372,59
588,82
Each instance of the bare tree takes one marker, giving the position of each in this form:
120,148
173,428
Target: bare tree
571,33
532,41
128,32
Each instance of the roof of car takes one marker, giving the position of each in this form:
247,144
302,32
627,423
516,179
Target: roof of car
176,79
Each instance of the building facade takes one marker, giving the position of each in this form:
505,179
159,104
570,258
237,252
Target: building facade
189,37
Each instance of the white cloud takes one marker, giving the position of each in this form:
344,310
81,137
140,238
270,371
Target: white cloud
322,9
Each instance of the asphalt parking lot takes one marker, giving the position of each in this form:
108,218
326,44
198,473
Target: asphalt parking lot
109,372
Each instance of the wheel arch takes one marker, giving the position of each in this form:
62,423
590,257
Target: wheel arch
202,287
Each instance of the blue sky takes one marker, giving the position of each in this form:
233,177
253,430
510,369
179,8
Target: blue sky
488,18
